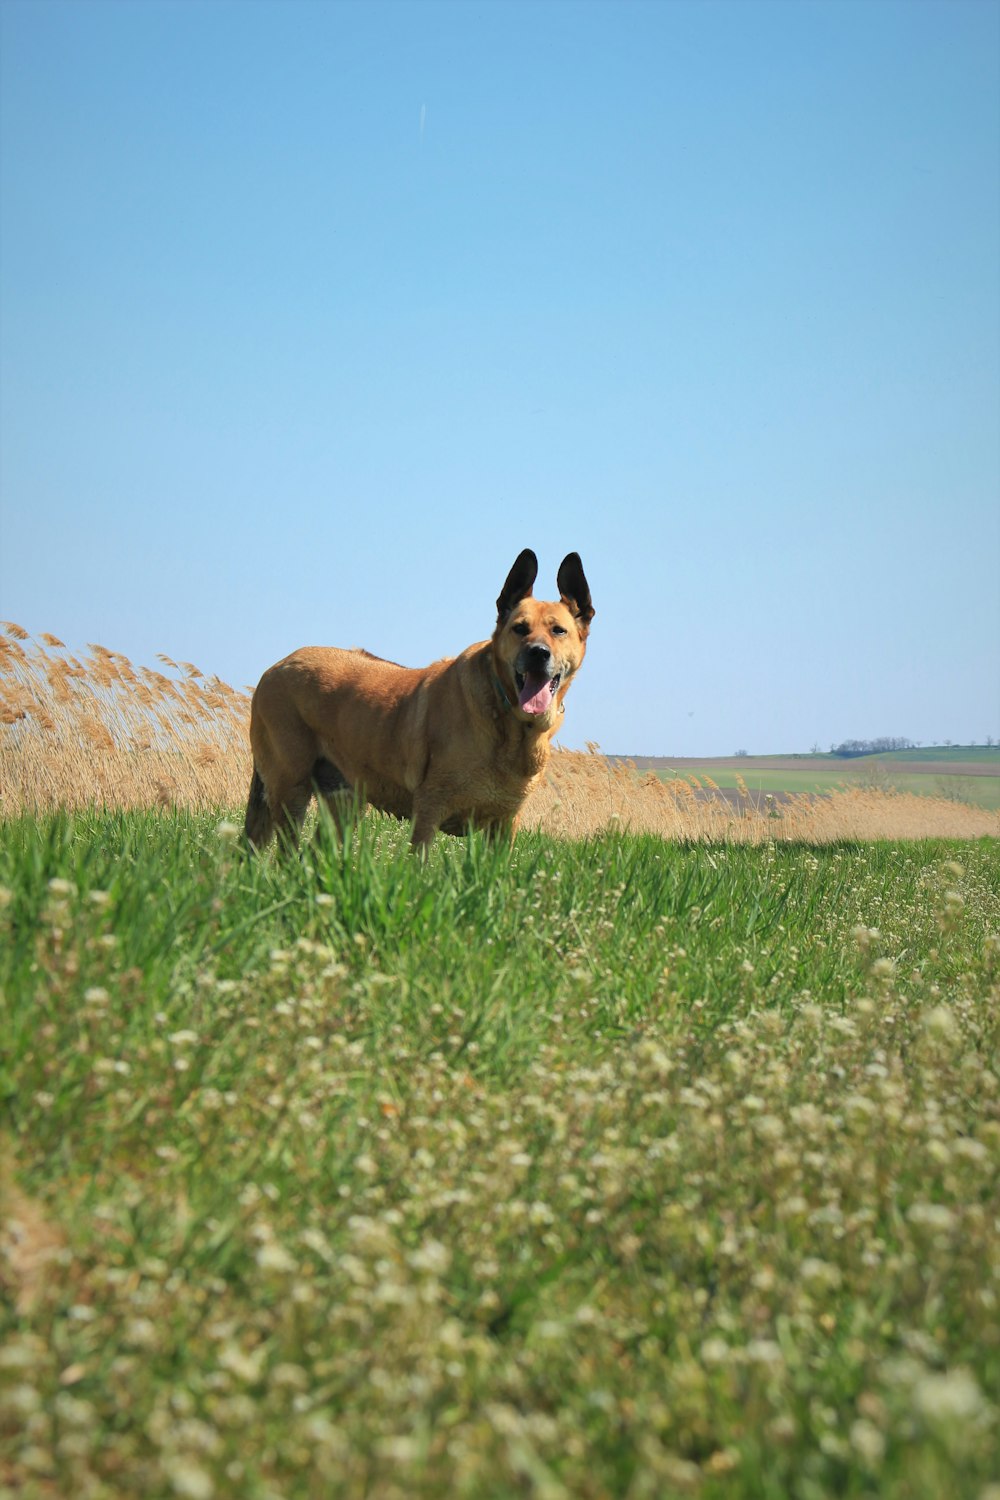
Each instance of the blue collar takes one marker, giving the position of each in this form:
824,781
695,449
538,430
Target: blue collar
500,689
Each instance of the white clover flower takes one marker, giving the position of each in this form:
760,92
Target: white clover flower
940,1021
246,1365
842,1025
431,1257
73,1412
355,1270
195,1435
949,1398
22,1400
140,1333
320,1430
819,1273
868,1442
970,1149
807,1117
237,1410
371,1236
659,1060
540,1213
316,1241
274,1257
182,1038
934,1216
188,1479
227,832
393,1294
451,1335
400,1449
764,1352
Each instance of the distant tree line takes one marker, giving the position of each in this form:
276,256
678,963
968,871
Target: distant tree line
871,747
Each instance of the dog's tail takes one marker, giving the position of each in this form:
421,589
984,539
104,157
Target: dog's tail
259,823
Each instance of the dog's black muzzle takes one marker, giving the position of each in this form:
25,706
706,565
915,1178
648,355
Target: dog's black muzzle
536,659
535,664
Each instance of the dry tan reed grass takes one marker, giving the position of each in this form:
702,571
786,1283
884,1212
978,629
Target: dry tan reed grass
95,730
583,794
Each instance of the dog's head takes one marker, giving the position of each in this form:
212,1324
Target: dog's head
537,645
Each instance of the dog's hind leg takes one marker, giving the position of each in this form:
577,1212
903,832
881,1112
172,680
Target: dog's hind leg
336,793
293,806
259,822
277,809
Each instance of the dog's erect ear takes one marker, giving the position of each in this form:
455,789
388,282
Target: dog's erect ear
574,589
518,586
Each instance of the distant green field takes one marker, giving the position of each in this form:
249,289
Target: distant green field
978,791
937,771
981,754
943,752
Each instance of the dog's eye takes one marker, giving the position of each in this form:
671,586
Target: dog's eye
559,630
521,628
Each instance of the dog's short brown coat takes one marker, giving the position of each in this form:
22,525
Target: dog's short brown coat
452,745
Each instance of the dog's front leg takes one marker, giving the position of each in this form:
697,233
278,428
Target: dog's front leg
430,808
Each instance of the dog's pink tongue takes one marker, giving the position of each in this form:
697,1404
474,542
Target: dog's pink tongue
536,695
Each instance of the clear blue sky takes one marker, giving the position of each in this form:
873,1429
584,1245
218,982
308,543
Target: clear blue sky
314,314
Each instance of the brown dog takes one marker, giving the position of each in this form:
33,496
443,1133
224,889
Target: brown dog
454,745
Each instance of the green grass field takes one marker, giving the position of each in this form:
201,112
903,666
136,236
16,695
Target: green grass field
985,754
979,754
978,791
935,771
617,1168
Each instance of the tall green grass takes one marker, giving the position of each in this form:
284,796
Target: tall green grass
609,1168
